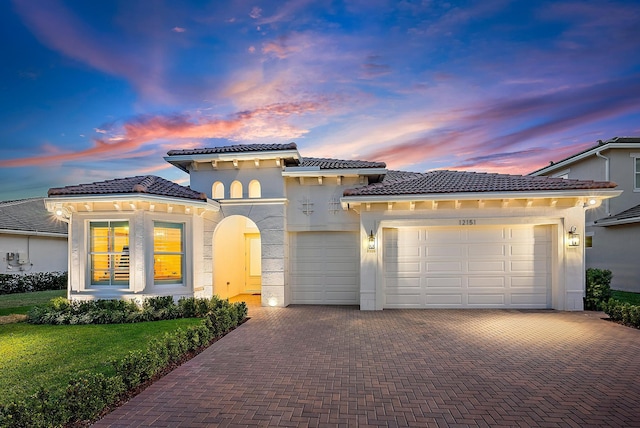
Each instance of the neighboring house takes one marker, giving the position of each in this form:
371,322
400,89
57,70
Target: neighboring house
31,239
612,229
263,219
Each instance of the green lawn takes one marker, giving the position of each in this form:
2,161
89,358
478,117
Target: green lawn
626,296
47,355
20,303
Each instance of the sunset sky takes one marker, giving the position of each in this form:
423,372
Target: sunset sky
99,89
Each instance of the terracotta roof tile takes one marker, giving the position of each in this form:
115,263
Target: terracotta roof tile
400,183
328,163
29,215
148,184
238,148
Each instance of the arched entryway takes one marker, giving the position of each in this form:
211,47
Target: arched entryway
237,257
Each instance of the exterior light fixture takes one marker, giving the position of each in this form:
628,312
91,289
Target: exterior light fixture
592,201
573,238
371,242
272,301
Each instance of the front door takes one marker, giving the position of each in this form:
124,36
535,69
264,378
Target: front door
253,263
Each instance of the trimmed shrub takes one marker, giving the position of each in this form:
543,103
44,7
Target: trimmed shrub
598,288
89,394
38,281
622,312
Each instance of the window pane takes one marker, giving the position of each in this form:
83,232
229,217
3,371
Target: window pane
99,237
167,238
167,268
100,272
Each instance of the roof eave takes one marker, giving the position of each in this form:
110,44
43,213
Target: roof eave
591,193
333,172
573,159
181,161
607,222
34,233
51,201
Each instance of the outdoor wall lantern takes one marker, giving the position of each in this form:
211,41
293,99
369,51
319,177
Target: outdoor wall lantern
371,242
573,238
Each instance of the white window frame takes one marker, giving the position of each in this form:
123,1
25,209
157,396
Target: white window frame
182,253
112,283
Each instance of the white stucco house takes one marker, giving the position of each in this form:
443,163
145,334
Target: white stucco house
612,230
31,240
264,219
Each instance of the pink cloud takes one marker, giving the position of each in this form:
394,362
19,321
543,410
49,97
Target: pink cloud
269,121
178,29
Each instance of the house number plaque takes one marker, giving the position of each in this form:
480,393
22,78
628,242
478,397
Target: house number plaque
467,222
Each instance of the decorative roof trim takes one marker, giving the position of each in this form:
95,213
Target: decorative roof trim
52,202
307,172
578,193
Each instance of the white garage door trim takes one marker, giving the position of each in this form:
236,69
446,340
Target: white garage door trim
324,268
467,267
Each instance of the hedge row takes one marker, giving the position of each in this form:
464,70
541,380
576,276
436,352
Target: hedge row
26,283
622,312
62,311
88,395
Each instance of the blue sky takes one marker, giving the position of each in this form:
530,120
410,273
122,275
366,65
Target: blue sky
93,90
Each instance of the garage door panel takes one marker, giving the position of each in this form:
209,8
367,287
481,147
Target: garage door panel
439,267
453,300
445,251
325,268
486,250
445,282
493,266
486,266
486,299
486,281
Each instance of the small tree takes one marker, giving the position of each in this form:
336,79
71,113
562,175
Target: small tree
598,288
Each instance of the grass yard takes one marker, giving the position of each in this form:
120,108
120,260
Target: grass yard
47,355
626,296
20,303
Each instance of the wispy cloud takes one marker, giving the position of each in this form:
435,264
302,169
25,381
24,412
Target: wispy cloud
178,29
270,121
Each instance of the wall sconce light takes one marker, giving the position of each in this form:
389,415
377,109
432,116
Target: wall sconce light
272,301
573,238
371,242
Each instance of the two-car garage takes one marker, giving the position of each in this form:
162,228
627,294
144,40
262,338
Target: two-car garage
467,267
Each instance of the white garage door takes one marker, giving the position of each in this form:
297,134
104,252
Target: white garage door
324,268
468,267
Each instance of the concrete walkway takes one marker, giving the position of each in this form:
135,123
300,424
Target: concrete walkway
338,366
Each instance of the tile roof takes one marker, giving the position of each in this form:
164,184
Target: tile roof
600,146
401,183
631,213
29,215
327,163
149,184
238,148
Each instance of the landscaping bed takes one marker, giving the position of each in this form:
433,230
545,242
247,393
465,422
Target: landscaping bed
84,370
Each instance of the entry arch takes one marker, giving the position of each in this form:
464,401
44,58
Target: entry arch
237,257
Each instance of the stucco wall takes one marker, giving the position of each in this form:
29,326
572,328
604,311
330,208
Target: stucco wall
44,254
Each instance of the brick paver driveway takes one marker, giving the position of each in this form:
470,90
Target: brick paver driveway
330,366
